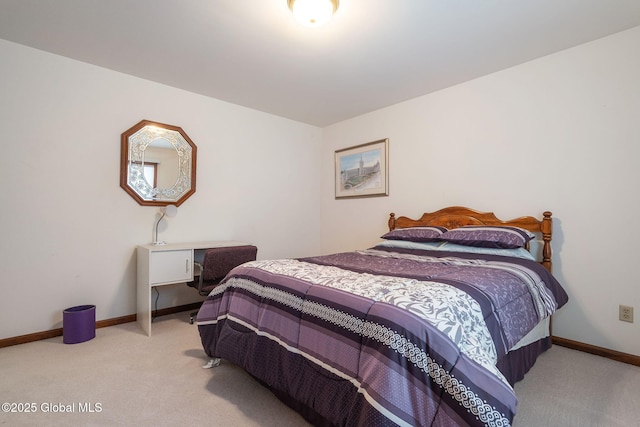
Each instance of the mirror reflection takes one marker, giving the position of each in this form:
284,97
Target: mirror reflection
161,166
158,164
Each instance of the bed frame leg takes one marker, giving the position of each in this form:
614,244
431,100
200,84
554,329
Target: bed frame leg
212,363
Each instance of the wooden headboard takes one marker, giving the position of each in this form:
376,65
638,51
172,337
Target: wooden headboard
458,216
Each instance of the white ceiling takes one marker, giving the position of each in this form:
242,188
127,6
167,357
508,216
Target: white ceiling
374,53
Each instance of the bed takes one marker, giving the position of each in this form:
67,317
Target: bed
431,327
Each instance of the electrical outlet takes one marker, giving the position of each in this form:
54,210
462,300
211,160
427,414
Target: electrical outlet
626,313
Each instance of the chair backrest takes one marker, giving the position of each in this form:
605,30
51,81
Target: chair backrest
218,262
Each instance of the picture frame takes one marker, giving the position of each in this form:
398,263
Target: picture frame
362,170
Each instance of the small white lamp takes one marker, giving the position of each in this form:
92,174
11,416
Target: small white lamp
313,13
168,211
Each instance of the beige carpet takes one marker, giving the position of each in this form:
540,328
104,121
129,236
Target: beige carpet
571,388
126,378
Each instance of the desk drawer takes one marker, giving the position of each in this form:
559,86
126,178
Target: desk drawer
171,266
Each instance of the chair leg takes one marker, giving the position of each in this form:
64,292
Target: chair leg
198,271
192,317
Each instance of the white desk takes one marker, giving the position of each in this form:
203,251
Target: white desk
168,264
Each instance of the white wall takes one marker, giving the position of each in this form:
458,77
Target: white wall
559,133
69,231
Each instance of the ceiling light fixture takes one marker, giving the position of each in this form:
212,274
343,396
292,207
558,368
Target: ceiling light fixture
313,13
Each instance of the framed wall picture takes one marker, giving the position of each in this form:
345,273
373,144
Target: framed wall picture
363,170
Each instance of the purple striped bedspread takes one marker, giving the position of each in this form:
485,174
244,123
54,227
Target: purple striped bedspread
385,336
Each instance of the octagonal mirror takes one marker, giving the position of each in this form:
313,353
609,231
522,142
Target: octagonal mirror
158,164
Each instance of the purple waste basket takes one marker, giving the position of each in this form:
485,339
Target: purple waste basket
78,324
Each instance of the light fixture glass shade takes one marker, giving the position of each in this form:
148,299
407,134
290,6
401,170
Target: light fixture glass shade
313,13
